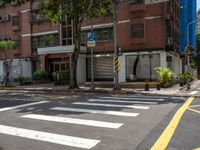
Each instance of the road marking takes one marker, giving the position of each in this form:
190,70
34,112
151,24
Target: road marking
193,92
193,106
118,101
197,149
139,98
116,113
110,105
153,97
194,110
75,121
49,137
23,105
166,136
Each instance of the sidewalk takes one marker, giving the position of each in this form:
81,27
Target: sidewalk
44,88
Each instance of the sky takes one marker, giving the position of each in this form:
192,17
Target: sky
198,4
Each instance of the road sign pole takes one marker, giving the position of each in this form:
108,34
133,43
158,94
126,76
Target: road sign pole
116,78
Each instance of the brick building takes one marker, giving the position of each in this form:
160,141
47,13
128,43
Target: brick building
148,32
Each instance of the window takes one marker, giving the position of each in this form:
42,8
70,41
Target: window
137,31
136,1
67,31
37,16
15,20
44,41
17,44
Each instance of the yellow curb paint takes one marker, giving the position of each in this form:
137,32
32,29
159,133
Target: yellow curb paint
197,149
194,110
194,106
164,139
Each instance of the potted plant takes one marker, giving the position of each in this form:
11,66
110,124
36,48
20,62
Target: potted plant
165,76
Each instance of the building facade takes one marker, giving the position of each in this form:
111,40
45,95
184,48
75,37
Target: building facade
198,23
188,16
147,32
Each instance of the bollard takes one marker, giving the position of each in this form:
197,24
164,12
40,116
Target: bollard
146,87
158,86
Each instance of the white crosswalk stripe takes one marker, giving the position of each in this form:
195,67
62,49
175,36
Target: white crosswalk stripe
121,101
134,98
49,137
21,106
93,123
110,105
116,113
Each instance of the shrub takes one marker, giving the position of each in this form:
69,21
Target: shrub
185,77
40,75
165,75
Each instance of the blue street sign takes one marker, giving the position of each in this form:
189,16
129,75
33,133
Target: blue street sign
91,36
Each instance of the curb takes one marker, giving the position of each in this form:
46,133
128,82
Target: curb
57,91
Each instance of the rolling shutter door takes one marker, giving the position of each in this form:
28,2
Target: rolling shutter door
103,68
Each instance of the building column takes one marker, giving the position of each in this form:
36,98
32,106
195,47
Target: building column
122,72
42,61
163,59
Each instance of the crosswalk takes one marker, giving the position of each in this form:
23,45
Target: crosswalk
118,106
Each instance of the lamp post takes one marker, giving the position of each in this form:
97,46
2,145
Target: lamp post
114,10
188,25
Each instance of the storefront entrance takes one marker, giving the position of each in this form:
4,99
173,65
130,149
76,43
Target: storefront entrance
59,69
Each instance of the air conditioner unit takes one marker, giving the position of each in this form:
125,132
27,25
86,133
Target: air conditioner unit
5,17
13,3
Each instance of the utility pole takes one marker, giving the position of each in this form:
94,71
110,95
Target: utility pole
114,9
92,65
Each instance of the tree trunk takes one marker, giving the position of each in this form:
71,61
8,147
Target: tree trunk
75,55
6,79
135,66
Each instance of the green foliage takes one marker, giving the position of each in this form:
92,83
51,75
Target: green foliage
20,78
81,9
49,37
40,75
6,44
185,77
165,75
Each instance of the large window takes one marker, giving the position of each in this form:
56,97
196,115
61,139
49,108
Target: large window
67,31
137,31
101,34
44,41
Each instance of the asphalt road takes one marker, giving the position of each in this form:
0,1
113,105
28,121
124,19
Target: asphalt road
88,121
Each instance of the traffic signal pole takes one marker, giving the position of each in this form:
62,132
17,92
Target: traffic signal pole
114,9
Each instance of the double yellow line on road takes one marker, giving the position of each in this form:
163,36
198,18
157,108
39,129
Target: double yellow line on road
164,139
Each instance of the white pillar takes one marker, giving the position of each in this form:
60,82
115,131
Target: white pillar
122,72
163,59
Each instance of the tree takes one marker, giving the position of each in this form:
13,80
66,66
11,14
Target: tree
78,11
4,47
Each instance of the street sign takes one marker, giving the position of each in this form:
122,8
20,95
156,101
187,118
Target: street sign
91,44
91,36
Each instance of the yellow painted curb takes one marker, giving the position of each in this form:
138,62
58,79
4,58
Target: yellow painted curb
164,139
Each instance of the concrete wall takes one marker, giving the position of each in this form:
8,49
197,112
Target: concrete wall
26,68
81,69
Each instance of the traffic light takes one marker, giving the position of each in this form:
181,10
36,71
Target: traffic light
119,51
